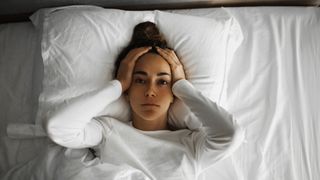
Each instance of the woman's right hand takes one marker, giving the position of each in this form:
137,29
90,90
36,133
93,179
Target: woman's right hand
125,70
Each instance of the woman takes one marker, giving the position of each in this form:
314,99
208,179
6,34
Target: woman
151,77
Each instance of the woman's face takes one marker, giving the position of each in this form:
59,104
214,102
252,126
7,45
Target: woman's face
150,93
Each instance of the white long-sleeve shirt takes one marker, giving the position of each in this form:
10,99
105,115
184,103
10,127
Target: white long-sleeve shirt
163,154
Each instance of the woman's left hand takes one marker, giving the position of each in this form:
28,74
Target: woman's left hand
174,62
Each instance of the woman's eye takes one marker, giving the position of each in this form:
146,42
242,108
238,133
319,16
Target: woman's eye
163,82
140,81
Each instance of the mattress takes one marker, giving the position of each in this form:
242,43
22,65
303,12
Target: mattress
272,90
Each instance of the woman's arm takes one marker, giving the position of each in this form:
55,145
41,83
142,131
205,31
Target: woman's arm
219,133
72,125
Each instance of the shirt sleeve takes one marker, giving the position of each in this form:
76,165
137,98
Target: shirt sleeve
218,133
73,125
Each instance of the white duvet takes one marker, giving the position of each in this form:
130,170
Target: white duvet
272,90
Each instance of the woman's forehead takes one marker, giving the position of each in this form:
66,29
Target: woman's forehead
152,62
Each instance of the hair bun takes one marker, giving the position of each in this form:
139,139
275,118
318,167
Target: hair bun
147,34
144,34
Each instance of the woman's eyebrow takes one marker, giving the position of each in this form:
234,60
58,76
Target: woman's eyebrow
141,73
163,74
146,74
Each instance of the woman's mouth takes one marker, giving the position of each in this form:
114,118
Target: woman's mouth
150,105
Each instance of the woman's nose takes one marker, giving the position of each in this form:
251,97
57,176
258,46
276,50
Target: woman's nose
150,91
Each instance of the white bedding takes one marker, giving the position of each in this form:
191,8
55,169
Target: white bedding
272,90
19,89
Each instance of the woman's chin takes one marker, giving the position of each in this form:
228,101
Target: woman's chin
149,115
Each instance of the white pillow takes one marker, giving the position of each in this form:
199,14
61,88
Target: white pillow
205,46
79,48
80,45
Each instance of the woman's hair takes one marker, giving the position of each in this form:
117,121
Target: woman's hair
144,34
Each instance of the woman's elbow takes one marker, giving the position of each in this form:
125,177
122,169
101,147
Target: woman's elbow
226,137
59,134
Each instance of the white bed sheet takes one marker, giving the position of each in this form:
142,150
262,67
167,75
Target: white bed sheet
20,86
272,89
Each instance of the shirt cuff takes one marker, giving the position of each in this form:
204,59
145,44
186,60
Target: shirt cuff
118,87
181,86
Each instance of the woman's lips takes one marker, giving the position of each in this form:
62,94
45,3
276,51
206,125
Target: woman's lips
150,105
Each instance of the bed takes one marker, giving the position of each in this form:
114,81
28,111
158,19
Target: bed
271,86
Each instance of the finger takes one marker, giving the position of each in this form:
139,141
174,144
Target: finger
166,56
172,55
139,52
145,49
165,51
142,50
